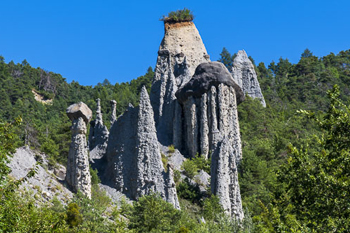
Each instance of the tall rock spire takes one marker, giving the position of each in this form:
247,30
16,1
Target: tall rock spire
114,111
224,179
180,52
134,157
98,136
245,76
78,173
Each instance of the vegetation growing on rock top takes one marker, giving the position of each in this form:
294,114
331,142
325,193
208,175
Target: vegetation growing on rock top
178,16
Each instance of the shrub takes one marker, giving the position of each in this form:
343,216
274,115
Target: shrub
190,168
153,214
189,191
165,162
171,149
202,163
94,177
73,216
184,15
211,207
177,176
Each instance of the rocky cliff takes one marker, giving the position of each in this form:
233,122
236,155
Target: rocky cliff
193,105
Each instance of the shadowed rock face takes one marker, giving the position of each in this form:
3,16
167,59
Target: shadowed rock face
133,153
78,173
206,75
244,74
98,137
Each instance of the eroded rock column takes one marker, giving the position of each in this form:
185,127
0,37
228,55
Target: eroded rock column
78,173
224,179
114,112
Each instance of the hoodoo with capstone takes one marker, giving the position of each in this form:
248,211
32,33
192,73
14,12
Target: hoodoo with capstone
78,173
209,102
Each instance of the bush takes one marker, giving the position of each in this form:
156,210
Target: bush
165,162
153,214
184,15
211,207
73,217
190,168
94,176
202,163
171,149
188,191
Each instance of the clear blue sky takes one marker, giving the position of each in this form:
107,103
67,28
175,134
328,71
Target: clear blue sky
89,41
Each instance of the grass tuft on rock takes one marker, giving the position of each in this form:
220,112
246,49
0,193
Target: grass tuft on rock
178,16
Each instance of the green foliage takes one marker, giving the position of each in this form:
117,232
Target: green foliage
202,163
94,177
190,168
317,182
164,161
7,138
186,190
184,15
19,213
153,214
226,58
211,208
74,217
177,176
171,149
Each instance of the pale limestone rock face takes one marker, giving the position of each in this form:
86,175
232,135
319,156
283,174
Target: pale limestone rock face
78,173
244,74
134,160
224,179
77,110
98,137
180,52
182,40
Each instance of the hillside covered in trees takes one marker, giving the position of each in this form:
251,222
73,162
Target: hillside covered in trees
298,142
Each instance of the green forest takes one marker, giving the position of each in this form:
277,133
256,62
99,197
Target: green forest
294,176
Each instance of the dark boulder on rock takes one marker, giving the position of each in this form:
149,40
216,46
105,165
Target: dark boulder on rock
206,75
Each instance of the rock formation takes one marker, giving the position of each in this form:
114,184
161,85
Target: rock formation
209,102
114,112
133,155
180,52
245,76
98,137
224,179
78,173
